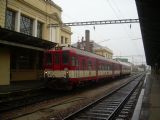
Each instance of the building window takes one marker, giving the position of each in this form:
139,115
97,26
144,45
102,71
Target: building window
61,39
10,20
66,40
22,59
26,25
39,30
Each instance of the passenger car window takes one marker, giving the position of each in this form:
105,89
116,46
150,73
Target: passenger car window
65,57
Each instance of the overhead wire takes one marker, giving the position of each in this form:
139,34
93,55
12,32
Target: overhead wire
123,16
93,28
117,16
125,27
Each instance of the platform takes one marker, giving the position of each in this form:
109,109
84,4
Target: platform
148,105
21,86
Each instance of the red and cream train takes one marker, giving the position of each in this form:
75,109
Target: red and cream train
69,67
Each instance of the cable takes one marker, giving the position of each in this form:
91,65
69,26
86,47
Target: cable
125,28
118,18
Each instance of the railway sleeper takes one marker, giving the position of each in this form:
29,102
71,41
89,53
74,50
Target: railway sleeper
96,114
101,111
92,118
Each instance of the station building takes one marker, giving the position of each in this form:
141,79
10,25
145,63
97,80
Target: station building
103,51
25,33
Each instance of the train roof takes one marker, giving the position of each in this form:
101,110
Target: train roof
86,53
125,63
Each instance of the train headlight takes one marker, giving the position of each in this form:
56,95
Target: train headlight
45,74
67,72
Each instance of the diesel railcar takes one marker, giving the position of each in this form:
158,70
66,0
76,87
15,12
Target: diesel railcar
68,67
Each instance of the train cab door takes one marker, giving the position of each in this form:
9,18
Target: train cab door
73,65
83,68
56,61
113,70
48,60
96,67
77,67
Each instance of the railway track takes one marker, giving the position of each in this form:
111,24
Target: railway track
118,104
17,99
21,98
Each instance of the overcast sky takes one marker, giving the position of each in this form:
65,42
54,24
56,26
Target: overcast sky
123,40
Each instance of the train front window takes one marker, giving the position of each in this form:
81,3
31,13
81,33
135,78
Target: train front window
73,61
57,60
48,59
65,57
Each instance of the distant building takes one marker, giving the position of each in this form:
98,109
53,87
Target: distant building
122,59
103,51
89,45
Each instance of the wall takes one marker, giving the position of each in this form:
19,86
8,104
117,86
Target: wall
26,64
2,12
18,75
104,53
66,33
4,66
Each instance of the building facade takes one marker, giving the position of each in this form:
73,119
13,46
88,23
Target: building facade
2,12
65,39
33,17
103,51
25,33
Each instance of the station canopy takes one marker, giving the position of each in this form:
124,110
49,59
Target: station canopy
149,17
12,38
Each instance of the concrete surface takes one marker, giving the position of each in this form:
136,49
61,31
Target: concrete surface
151,101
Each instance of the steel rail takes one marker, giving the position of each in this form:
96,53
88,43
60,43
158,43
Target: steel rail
91,105
118,109
16,99
22,98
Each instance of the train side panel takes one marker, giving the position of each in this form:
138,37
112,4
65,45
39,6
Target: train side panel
72,68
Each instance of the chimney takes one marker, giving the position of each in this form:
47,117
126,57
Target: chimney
87,35
87,38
